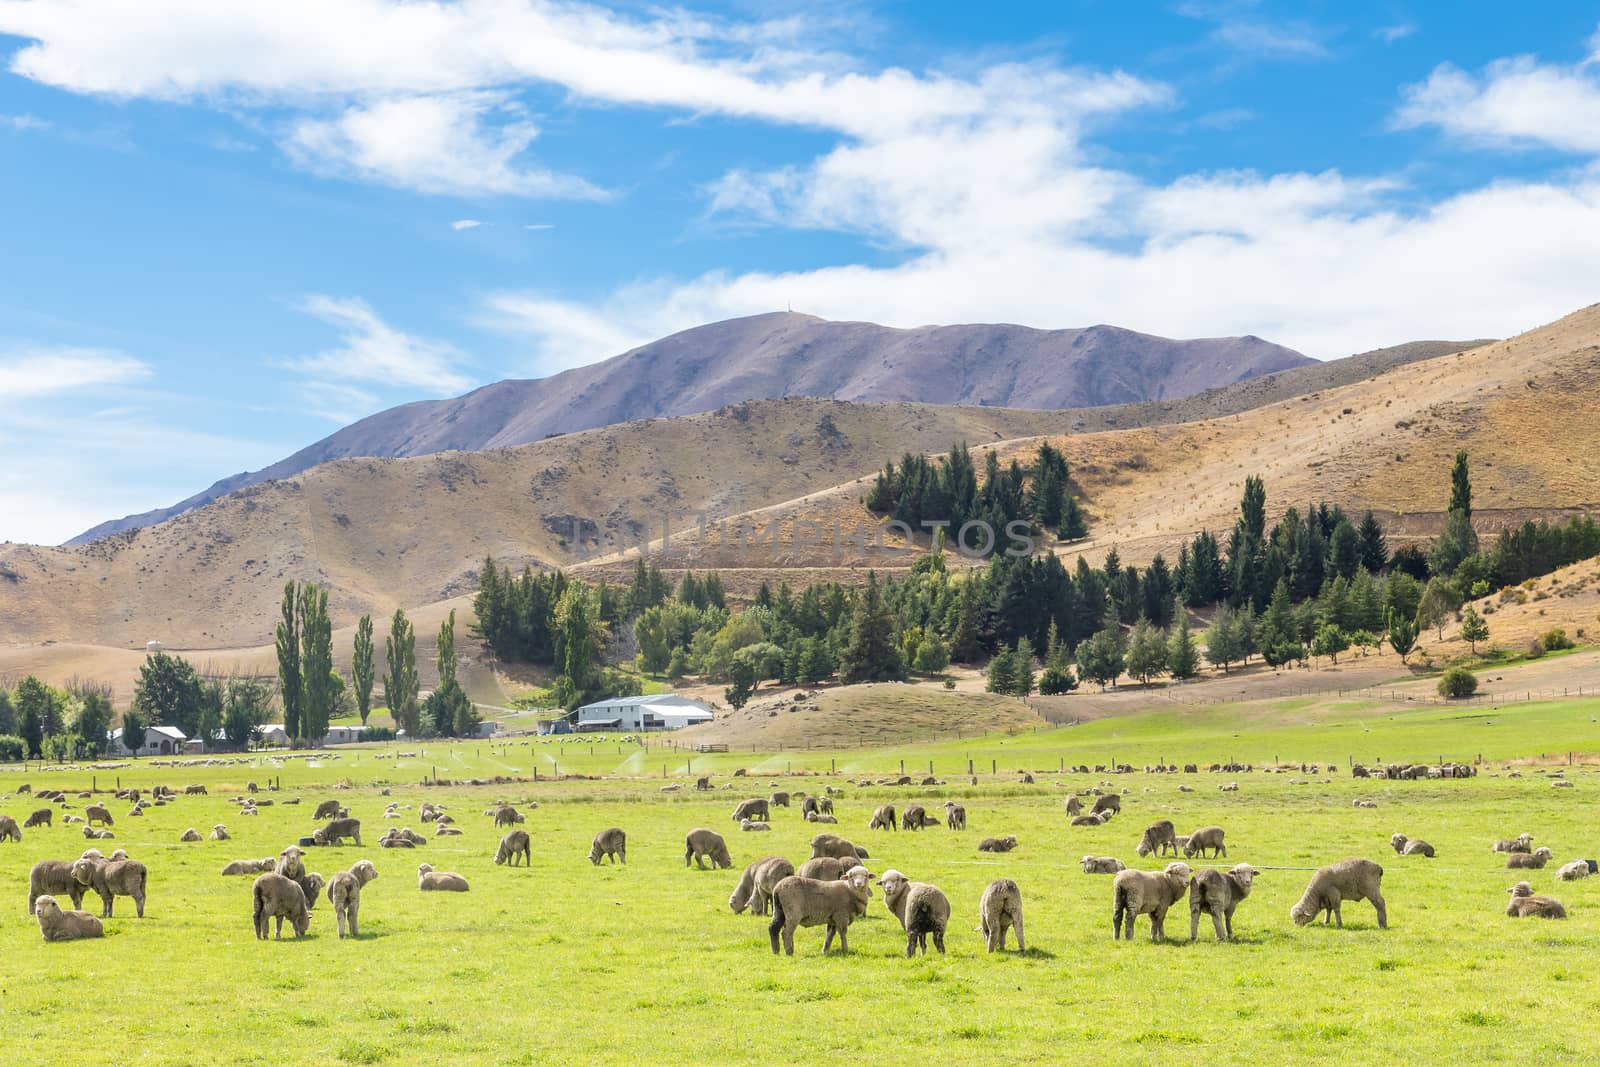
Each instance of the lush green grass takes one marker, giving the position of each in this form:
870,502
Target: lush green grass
645,963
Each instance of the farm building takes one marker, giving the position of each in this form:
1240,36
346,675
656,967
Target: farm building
342,734
158,741
662,711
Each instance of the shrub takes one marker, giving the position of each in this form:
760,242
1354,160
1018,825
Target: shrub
1457,682
1535,648
10,748
377,733
1554,640
1057,680
949,683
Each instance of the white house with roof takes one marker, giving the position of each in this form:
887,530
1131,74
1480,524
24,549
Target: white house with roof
659,711
158,741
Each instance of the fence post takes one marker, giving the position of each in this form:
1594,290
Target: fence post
992,769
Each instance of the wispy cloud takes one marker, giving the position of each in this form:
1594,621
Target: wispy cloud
32,372
342,404
466,224
21,123
1397,32
539,226
372,351
1517,102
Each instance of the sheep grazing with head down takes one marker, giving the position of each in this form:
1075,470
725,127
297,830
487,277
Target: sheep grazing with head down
513,845
1219,893
1136,893
1110,802
609,844
836,846
336,831
1524,904
54,877
1571,872
506,815
41,817
1520,843
96,813
826,868
1529,861
430,880
701,844
1349,879
755,808
58,925
1158,838
275,897
1410,846
999,908
1208,838
1102,865
757,883
998,844
955,816
922,909
800,902
883,818
9,830
328,809
344,893
111,879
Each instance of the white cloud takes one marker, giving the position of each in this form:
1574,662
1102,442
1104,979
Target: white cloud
370,350
29,373
22,123
539,226
1397,32
1515,102
466,224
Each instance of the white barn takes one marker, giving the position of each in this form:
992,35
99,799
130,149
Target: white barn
661,711
158,741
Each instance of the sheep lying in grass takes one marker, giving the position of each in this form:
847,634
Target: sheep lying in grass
998,844
250,866
58,925
88,831
1571,872
344,893
824,818
1520,843
1233,787
1158,838
1361,802
1349,879
1136,893
752,826
280,898
922,909
111,879
1219,892
834,845
191,834
883,818
219,832
54,877
430,880
1087,820
800,902
1410,846
999,908
1524,904
1532,861
1102,865
1208,838
702,844
757,883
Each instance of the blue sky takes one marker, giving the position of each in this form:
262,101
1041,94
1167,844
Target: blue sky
229,228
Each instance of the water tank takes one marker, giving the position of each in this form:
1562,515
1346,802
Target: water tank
152,647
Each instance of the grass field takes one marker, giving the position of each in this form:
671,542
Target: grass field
645,963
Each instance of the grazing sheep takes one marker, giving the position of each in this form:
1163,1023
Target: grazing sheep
96,813
336,831
800,901
429,879
1520,843
751,826
1348,879
912,819
755,808
1218,892
1571,872
219,832
1136,893
809,807
828,820
826,868
836,846
1410,846
191,834
883,818
280,898
825,805
1074,807
780,800
249,866
757,883
998,844
1102,865
290,864
702,843
1209,837
507,816
513,845
999,908
9,829
54,877
41,817
344,893
1158,838
1110,802
921,908
194,790
1524,904
703,782
58,925
328,809
611,843
111,879
955,816
1532,861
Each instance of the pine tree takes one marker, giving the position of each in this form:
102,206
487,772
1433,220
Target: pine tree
1183,656
1002,672
1147,652
1278,635
1473,628
288,644
1402,634
1374,550
1224,645
1461,486
361,667
1344,551
1023,682
871,653
1074,526
964,638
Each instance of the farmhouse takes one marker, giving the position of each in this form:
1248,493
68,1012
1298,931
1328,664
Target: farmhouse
662,711
158,741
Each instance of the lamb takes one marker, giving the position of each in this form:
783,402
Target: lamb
219,832
702,843
1348,879
1209,837
800,901
9,829
825,819
998,844
280,898
757,883
58,925
111,879
1158,838
1102,865
836,846
1571,872
507,816
328,809
1110,802
955,816
755,808
612,843
429,879
1219,892
311,885
249,866
96,813
344,893
336,831
53,877
1136,893
1524,904
883,818
1000,907
41,817
289,863
921,908
1534,860
1410,846
1520,843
